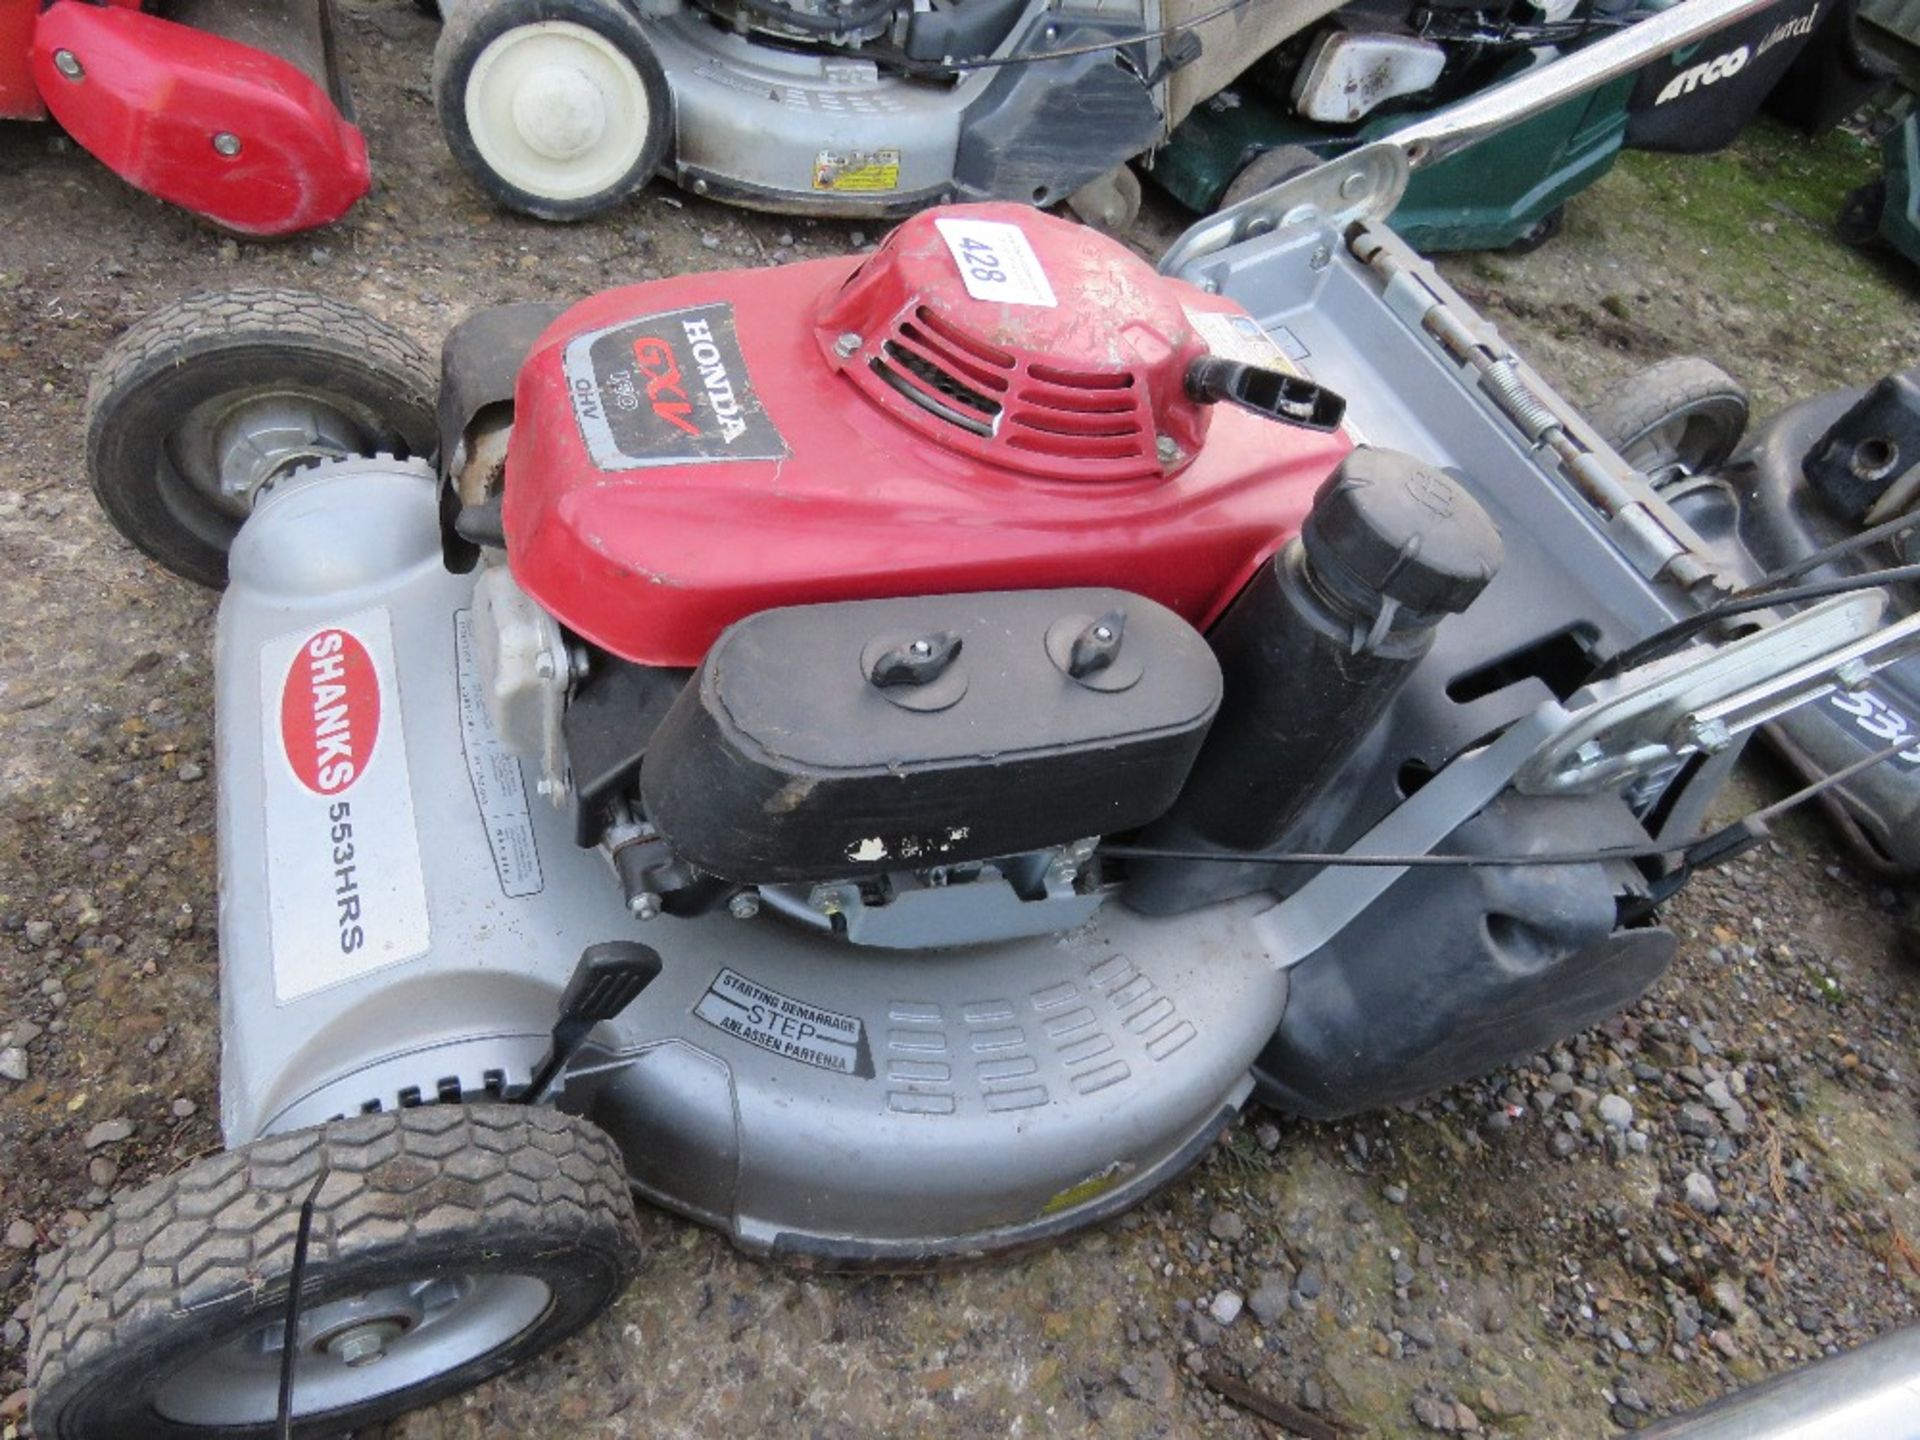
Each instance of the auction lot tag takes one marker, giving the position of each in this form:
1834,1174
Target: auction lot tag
345,892
997,262
792,1028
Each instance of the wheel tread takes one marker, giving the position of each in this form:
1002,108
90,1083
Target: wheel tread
394,1177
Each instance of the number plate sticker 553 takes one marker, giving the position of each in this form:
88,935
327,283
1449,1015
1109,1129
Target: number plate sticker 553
345,893
997,262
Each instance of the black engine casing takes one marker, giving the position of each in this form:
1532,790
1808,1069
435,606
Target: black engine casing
782,761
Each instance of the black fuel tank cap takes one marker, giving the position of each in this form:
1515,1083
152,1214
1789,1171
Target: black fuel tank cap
1388,525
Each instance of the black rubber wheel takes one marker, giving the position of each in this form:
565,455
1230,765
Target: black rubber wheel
203,401
1266,170
1682,417
555,108
1858,222
449,1243
1542,230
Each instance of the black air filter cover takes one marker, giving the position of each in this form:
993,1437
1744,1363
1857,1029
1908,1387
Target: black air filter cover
783,760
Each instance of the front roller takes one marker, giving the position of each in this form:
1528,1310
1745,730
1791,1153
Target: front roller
448,1243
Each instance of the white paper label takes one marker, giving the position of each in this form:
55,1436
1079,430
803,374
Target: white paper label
751,1012
996,262
345,893
499,788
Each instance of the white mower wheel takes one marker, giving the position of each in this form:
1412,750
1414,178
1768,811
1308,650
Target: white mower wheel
555,108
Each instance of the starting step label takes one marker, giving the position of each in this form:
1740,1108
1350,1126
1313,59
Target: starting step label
499,788
790,1028
345,892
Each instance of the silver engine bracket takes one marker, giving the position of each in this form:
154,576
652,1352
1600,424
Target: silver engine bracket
400,933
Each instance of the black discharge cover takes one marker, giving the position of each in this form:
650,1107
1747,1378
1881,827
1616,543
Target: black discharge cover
783,761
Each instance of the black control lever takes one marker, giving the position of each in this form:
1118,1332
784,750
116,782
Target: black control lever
1290,399
609,977
1095,647
917,661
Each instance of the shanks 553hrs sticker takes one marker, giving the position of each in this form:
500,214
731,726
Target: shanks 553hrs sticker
344,886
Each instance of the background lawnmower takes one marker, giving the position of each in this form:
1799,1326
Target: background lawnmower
233,109
561,108
882,756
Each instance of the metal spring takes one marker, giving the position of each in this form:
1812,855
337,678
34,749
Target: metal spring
1517,399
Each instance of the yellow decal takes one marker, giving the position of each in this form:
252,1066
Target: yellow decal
861,172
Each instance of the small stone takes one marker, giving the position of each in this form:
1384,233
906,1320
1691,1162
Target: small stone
102,1172
1435,1414
229,251
1616,1111
108,1132
25,1033
1227,1227
1718,1095
857,239
1560,1083
13,1063
1464,1419
39,932
1226,1307
1563,1143
190,772
319,255
14,1406
1700,1192
1310,1282
184,1109
1697,1120
22,1236
1638,1142
709,240
13,1333
157,1043
1268,1302
1267,1137
1396,1194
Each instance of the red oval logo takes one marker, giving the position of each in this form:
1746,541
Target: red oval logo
330,711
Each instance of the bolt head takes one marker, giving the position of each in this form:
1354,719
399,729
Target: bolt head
644,906
362,1345
846,345
1354,185
68,64
827,899
744,906
1321,257
226,143
1103,633
1855,675
921,648
1167,449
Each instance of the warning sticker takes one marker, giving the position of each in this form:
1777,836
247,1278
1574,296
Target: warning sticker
668,389
1239,337
862,172
997,262
345,893
786,1026
498,786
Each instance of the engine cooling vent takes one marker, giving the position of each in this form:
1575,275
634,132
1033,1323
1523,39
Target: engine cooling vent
1023,414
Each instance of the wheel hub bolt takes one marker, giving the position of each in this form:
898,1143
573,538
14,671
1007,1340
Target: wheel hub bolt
362,1345
226,143
68,64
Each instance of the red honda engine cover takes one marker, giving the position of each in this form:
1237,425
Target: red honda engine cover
992,400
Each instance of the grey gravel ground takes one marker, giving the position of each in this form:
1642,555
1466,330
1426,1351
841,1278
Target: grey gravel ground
1716,1185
